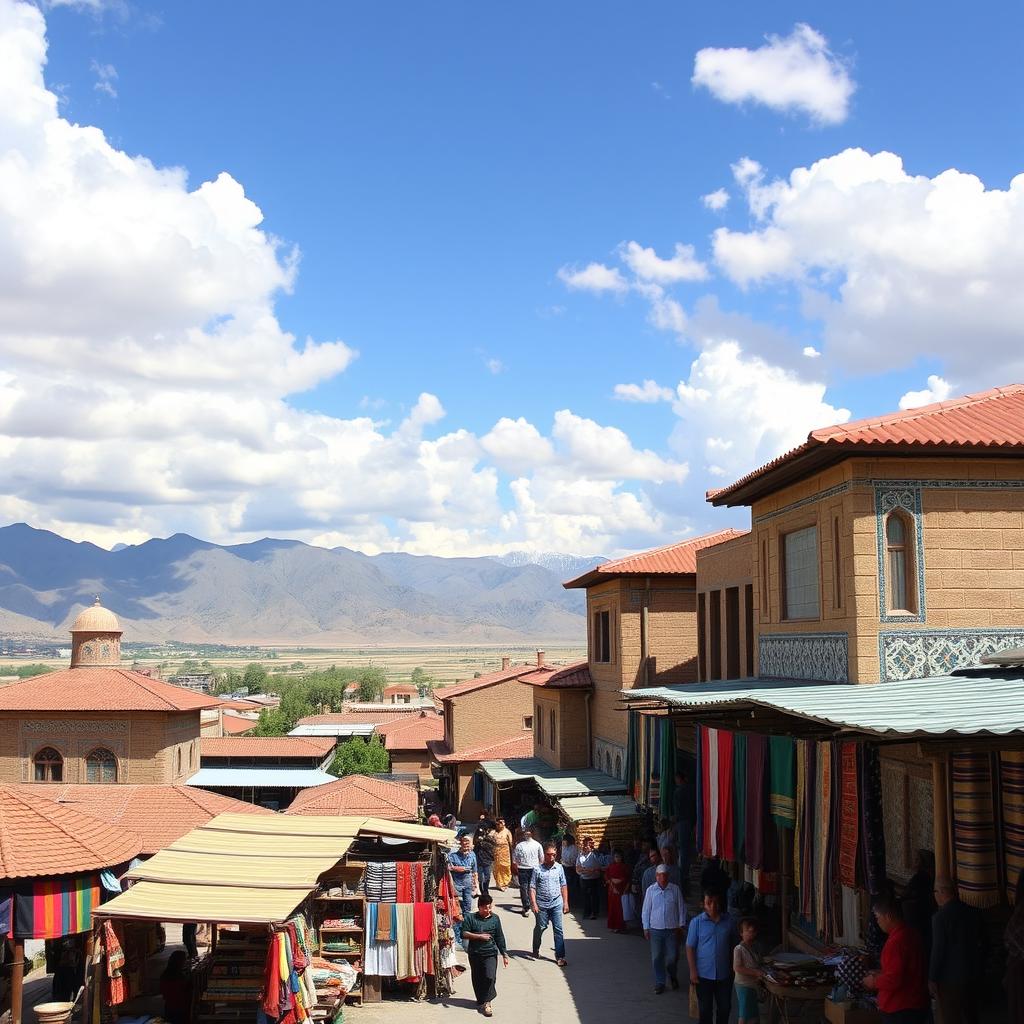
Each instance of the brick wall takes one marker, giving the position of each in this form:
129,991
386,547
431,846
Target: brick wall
490,714
720,569
412,761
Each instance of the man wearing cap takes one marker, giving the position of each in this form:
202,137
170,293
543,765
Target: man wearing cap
664,917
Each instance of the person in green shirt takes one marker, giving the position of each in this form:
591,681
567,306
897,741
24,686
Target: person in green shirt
482,931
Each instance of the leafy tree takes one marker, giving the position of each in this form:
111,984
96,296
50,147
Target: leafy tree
272,722
358,756
27,671
422,681
255,678
188,665
297,666
372,681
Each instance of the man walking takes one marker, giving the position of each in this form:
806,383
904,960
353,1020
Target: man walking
958,956
710,941
668,858
663,917
463,866
549,899
526,856
486,939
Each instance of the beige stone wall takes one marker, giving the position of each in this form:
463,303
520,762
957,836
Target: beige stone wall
468,808
568,707
489,714
724,567
412,761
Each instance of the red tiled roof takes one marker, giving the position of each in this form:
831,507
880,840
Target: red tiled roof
513,746
233,725
157,815
400,688
670,560
239,705
412,734
266,746
569,677
99,689
39,837
502,675
359,795
988,421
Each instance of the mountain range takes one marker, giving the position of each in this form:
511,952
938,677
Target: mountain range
284,591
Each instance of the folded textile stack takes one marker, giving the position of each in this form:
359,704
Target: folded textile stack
798,972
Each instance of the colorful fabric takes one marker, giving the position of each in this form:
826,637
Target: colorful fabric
406,944
726,836
54,907
757,799
701,789
714,804
782,795
849,815
822,899
739,786
809,831
423,922
403,882
386,928
798,825
974,830
872,841
1011,784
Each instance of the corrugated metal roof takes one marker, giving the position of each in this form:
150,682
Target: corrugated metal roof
582,782
672,559
967,703
332,729
598,808
300,778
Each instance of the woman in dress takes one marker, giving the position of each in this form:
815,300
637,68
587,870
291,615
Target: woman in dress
502,869
616,880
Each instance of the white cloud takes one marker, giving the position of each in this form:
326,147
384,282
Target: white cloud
594,277
738,411
495,366
106,76
811,352
794,73
717,200
647,265
899,267
938,390
648,392
666,313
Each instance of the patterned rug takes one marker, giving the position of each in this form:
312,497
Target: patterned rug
974,830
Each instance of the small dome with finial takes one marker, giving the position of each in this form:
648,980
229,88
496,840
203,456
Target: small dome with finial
96,619
96,638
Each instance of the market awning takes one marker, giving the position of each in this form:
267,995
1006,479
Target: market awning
267,872
971,702
556,784
160,901
244,778
598,808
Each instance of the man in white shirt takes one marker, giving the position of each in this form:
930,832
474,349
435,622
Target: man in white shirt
526,856
664,917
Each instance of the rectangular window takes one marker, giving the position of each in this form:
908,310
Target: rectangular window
748,623
715,633
837,566
527,722
765,589
732,633
702,639
800,593
603,636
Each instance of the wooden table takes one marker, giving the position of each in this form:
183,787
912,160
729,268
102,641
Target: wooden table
782,996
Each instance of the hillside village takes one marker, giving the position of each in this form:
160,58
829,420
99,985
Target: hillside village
826,709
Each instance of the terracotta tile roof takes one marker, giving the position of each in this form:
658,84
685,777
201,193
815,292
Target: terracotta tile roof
502,675
989,422
513,746
359,795
39,837
568,677
233,725
157,815
679,558
99,689
266,746
411,734
401,688
239,705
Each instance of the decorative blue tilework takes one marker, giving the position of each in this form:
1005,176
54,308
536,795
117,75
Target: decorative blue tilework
918,653
907,498
822,656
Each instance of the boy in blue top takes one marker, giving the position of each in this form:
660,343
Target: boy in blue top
710,942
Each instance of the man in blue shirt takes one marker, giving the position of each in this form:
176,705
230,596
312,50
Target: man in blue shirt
710,942
462,863
549,899
663,916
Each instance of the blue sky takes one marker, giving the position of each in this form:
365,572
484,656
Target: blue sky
442,176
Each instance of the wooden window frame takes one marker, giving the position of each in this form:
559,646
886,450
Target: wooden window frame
602,644
907,548
93,759
783,603
47,765
766,603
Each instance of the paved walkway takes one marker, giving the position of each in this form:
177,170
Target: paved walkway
608,981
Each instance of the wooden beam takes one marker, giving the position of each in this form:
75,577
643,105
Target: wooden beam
940,819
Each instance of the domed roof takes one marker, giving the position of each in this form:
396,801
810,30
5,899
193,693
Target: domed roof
96,619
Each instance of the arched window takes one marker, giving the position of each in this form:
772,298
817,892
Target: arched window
901,593
179,761
551,728
49,765
618,766
101,766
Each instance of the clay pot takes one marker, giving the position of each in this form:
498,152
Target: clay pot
53,1013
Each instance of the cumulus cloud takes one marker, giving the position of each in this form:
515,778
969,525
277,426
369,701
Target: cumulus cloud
647,265
897,266
717,200
811,352
794,73
938,390
594,277
648,392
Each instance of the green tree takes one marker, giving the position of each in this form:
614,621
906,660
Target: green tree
255,678
423,682
372,681
272,722
188,665
297,666
358,756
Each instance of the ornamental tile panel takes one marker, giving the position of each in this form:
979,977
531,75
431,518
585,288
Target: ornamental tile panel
919,653
823,656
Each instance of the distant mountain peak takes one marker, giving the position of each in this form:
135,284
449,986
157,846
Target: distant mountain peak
561,564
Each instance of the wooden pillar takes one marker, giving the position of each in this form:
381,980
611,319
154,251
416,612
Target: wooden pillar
940,814
17,980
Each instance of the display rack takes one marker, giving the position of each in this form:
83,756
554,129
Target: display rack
233,978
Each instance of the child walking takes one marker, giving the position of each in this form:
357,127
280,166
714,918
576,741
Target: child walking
746,963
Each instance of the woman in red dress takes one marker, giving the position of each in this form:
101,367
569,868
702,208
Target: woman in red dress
616,878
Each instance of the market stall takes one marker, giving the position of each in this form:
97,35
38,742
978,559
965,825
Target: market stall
614,818
53,864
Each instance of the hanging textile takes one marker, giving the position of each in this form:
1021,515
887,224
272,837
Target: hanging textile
1011,783
667,767
757,799
713,830
849,815
386,929
798,826
403,882
974,830
380,882
739,786
54,907
698,733
654,756
405,943
631,752
871,821
810,830
782,798
726,820
833,887
117,986
822,898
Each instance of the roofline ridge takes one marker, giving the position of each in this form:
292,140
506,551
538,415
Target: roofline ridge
605,566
